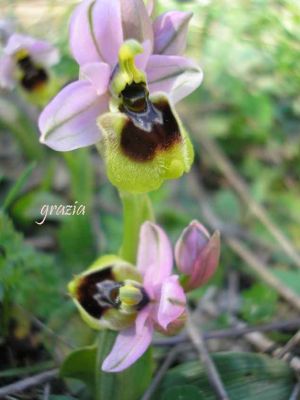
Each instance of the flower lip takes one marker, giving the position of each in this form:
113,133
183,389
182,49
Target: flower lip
99,291
33,76
144,134
87,291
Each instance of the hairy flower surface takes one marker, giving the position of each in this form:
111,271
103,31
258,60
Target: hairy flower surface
25,62
98,29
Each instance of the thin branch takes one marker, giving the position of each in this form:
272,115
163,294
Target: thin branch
293,342
239,248
48,331
47,390
237,183
263,272
268,346
295,393
212,372
171,357
28,383
232,333
258,340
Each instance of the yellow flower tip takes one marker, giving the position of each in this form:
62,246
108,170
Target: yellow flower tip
129,50
20,54
127,72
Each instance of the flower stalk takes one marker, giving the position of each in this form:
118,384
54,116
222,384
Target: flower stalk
137,209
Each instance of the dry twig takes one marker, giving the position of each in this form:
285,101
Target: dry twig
28,383
296,392
294,341
162,370
258,339
213,375
231,333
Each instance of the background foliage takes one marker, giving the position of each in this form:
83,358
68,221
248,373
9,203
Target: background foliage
249,109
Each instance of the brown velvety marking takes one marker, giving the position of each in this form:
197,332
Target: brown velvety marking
87,289
33,76
141,145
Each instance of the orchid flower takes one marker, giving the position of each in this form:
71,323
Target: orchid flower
134,301
25,62
197,255
124,59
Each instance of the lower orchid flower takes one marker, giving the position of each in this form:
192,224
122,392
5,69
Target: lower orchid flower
134,301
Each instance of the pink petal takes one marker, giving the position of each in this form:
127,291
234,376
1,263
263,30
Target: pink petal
154,258
7,80
170,32
98,75
96,31
130,344
69,120
206,264
189,246
174,75
41,51
136,21
141,60
44,53
172,302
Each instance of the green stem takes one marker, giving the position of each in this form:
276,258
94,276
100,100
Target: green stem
137,209
105,383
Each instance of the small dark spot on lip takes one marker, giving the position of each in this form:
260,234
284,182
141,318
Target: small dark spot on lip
142,145
134,97
87,289
34,79
33,76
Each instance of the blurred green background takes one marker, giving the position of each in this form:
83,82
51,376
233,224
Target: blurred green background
246,112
